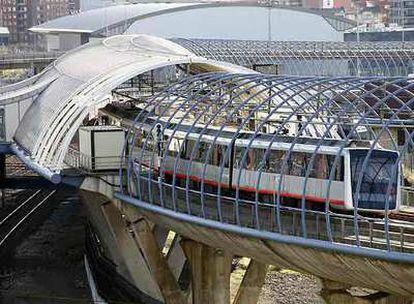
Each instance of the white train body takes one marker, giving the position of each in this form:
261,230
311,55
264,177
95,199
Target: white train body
219,164
340,195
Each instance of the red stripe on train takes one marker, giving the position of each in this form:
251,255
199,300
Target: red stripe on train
312,198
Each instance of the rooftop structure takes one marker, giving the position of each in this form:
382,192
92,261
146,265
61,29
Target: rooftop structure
195,20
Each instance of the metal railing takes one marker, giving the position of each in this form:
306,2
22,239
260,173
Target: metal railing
177,178
310,57
77,160
16,57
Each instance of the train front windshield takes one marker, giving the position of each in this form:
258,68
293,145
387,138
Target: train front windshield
380,172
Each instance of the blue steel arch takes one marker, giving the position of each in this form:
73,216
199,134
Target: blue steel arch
298,93
208,105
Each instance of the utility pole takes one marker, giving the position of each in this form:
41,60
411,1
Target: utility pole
269,20
358,72
403,21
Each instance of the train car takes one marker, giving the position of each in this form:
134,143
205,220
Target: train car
268,165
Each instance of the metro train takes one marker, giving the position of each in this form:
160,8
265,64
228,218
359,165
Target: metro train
215,159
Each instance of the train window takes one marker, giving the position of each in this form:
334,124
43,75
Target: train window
257,159
339,168
238,154
298,163
218,153
183,151
250,159
379,178
201,152
260,162
196,151
323,164
320,167
275,160
189,147
248,162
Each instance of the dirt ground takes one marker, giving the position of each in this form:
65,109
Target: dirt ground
288,287
282,286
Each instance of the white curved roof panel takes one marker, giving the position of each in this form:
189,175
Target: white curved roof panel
238,22
203,20
79,82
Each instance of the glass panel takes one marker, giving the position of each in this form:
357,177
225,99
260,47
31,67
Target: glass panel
320,167
339,168
238,158
375,179
275,161
297,164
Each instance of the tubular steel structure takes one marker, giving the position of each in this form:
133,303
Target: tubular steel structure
318,58
324,162
314,161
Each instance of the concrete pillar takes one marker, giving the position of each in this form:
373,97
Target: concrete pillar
251,285
210,273
131,254
337,293
122,246
161,235
176,257
220,272
157,263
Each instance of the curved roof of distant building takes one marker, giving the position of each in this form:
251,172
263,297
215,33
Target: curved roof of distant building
99,19
163,19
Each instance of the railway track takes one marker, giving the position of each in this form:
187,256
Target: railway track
402,216
15,220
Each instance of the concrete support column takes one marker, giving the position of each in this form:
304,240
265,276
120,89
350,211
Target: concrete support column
157,263
176,257
337,293
251,285
210,273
